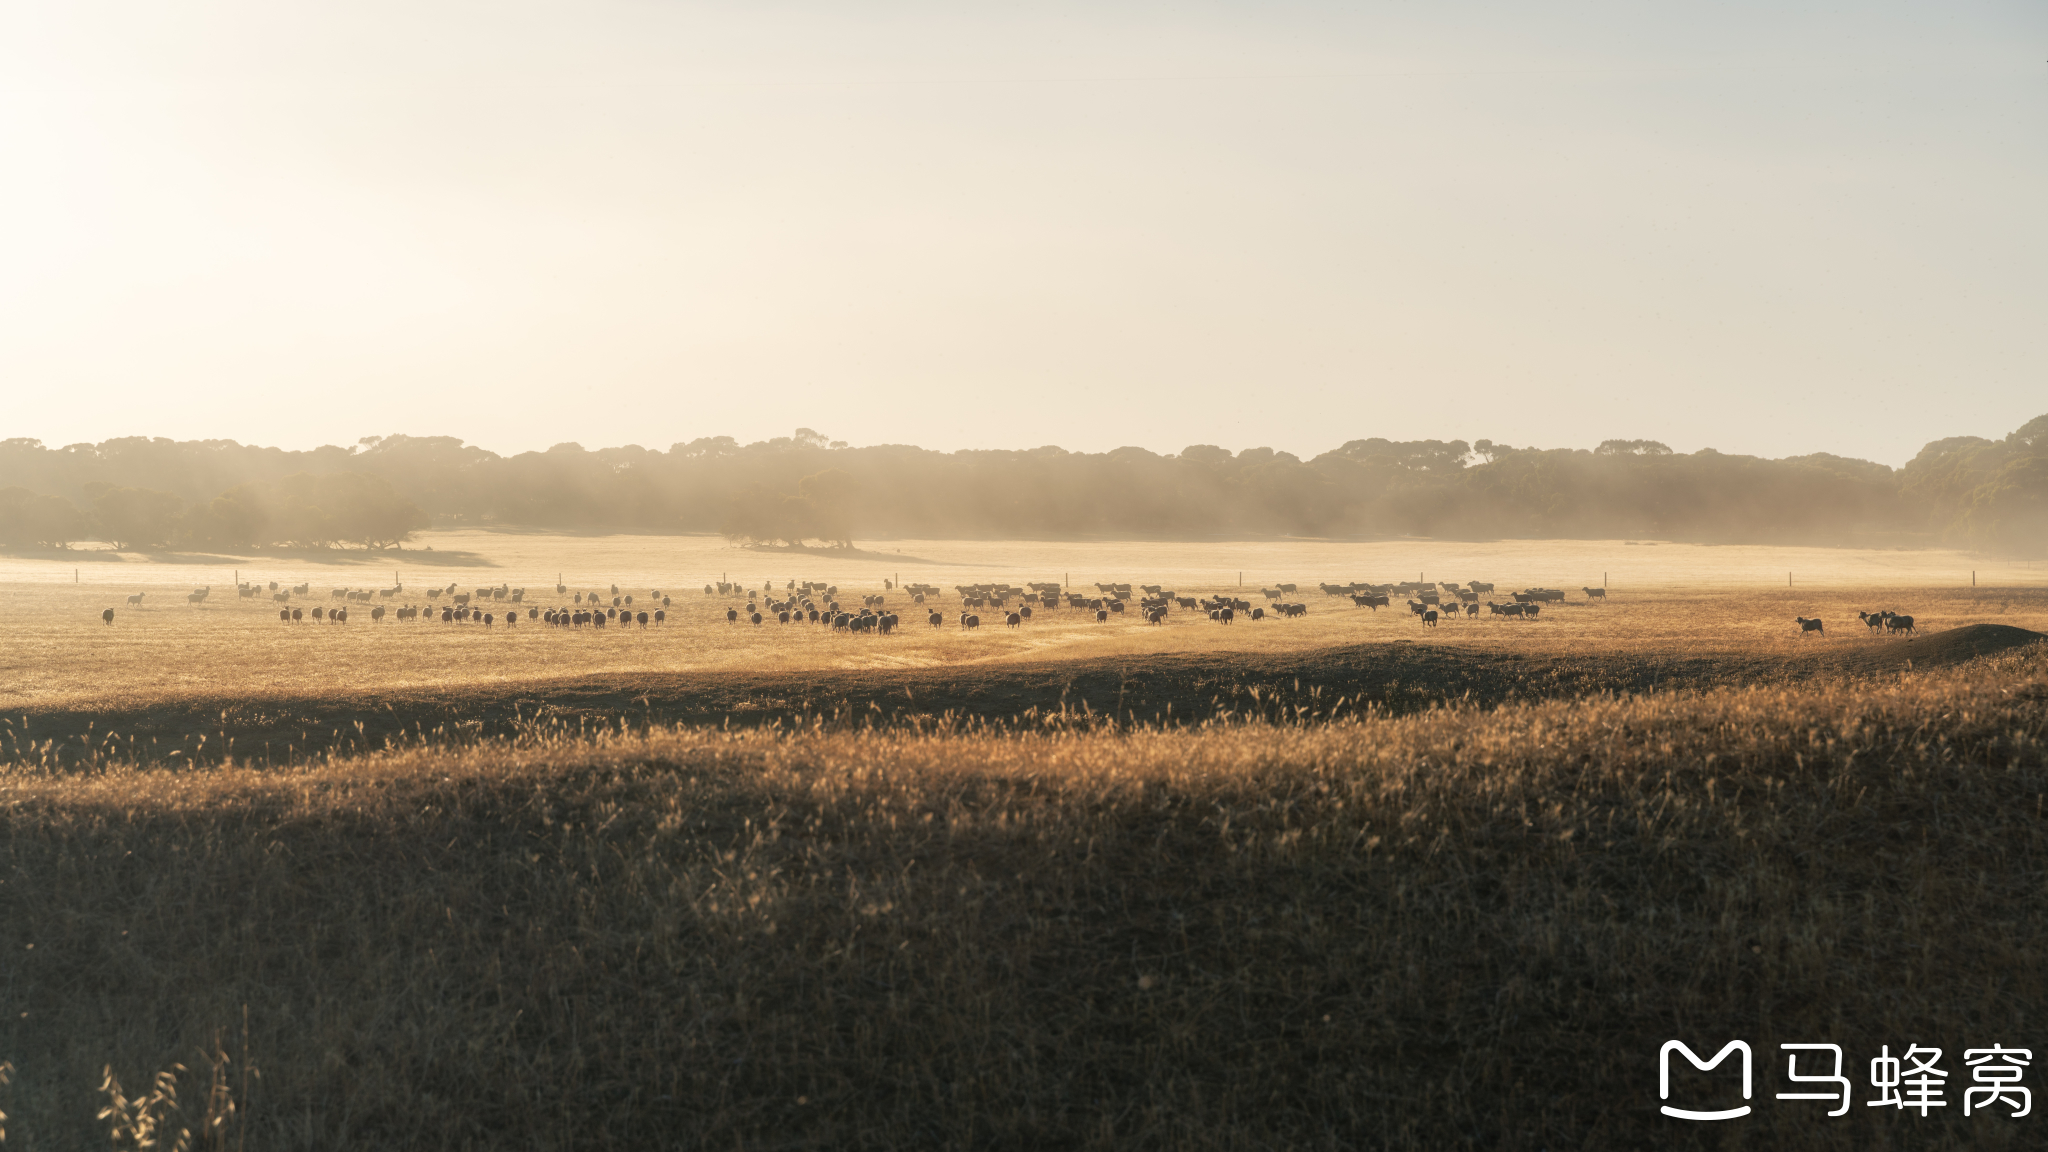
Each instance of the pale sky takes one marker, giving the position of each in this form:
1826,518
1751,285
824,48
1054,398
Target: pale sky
1770,228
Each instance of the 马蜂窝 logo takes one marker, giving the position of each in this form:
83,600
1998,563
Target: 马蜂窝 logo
1664,1079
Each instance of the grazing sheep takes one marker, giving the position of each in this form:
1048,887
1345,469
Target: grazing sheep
1013,620
1893,622
756,618
1429,618
135,601
1874,620
1258,613
1228,614
108,616
1806,626
970,621
1596,593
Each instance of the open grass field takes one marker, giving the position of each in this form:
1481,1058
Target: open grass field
1334,882
1664,599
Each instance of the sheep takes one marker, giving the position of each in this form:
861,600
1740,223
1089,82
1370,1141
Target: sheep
756,618
732,615
1258,613
1874,620
1101,615
1893,622
317,615
640,618
298,614
660,614
135,601
1429,618
1013,620
108,616
1806,626
377,614
1596,593
970,621
938,620
1228,614
284,615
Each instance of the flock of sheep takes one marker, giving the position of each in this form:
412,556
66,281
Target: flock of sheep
817,602
1885,621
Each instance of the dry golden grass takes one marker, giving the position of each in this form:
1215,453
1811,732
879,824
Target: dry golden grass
1470,927
1667,598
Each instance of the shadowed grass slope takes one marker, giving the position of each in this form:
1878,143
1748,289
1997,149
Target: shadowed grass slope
1467,927
1155,689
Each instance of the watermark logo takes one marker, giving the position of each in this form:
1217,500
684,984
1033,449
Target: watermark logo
1911,1081
1664,1078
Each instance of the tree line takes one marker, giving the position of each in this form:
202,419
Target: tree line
147,492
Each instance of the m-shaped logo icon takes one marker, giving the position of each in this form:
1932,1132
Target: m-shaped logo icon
1664,1079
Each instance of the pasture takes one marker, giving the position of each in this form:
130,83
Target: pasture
1666,599
1338,881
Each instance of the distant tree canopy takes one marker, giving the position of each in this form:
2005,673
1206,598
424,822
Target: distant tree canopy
808,487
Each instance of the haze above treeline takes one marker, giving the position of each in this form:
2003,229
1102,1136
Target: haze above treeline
140,493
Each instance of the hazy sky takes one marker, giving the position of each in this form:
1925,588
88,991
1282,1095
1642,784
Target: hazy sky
1774,227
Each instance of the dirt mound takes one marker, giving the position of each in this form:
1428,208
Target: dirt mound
1939,649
